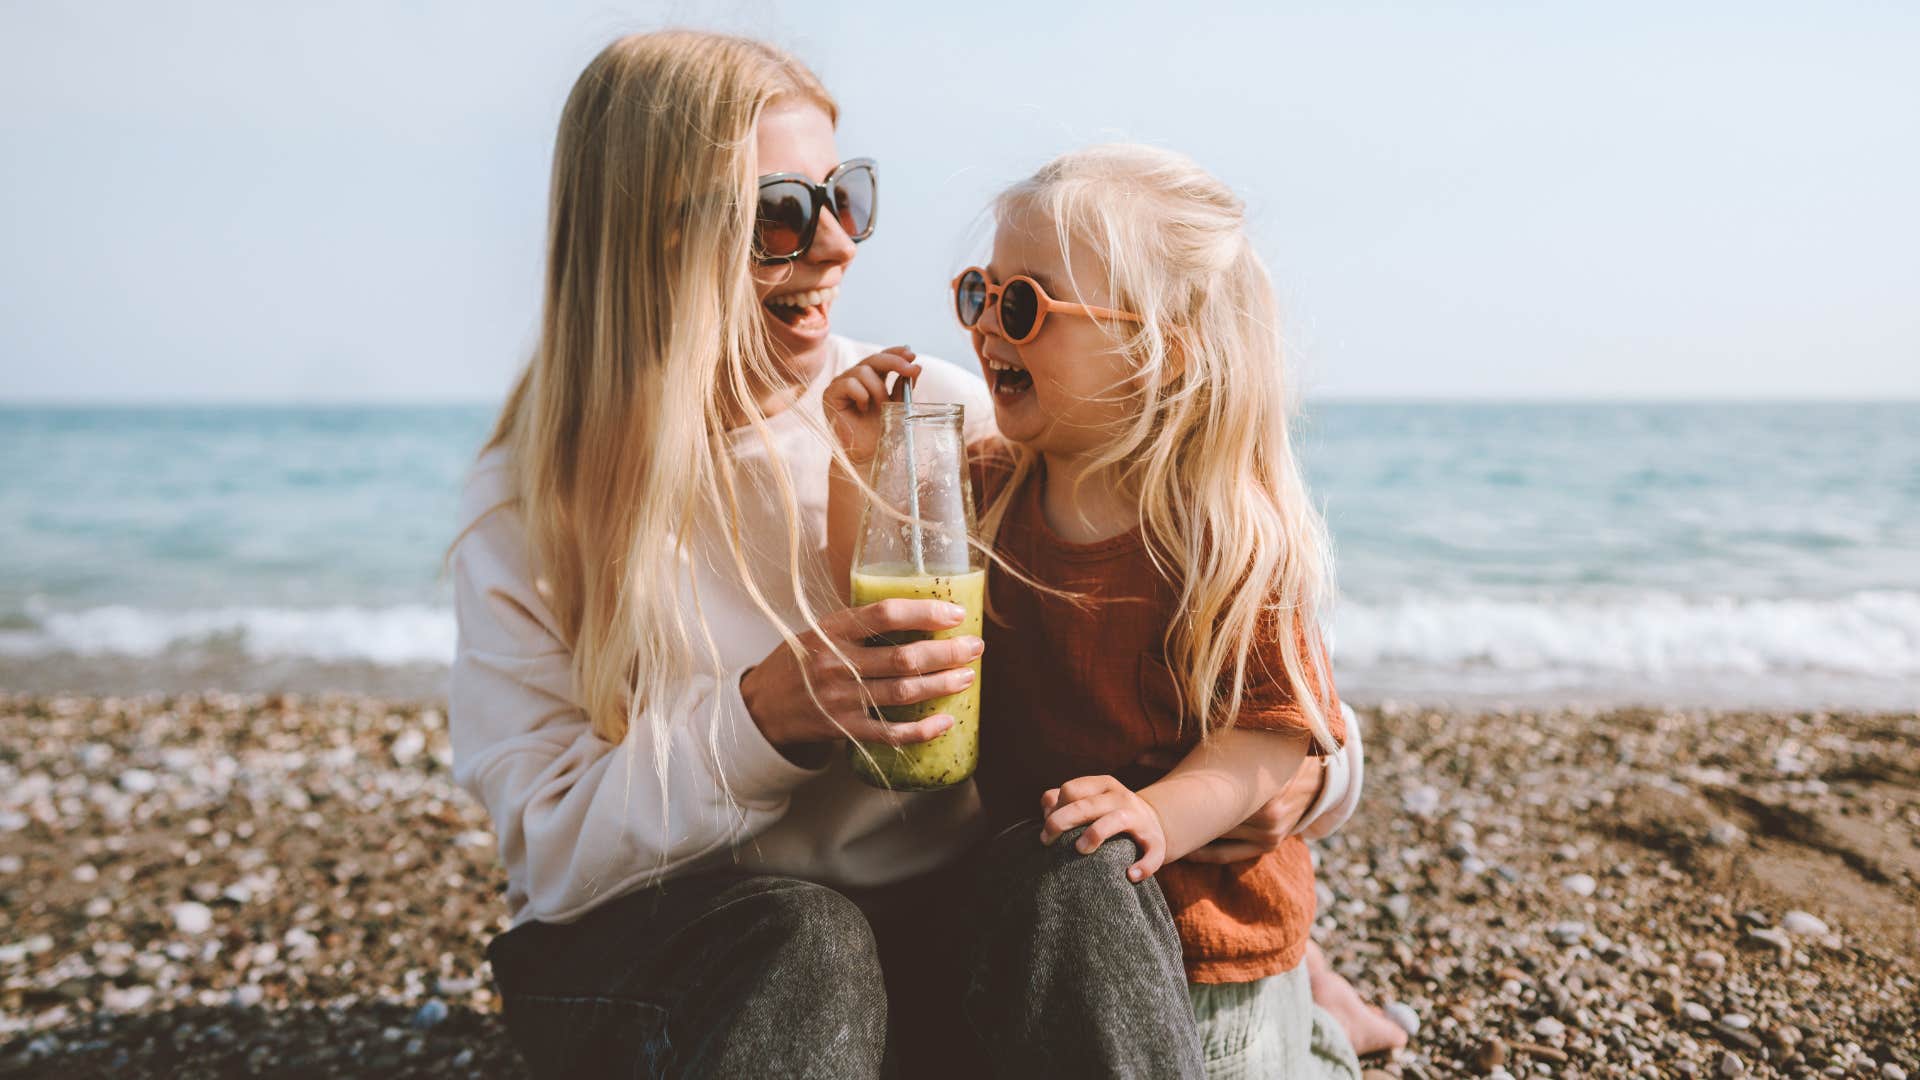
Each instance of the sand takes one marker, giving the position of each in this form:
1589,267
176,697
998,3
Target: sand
210,884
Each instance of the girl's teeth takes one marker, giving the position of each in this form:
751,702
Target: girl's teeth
805,299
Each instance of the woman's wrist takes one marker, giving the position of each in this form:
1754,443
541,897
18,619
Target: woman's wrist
807,755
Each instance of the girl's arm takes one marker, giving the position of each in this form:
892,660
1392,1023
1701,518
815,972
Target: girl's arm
1213,789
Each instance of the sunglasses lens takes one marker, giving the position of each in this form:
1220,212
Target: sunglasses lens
786,208
970,297
853,200
1019,306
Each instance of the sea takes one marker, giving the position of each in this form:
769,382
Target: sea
1737,555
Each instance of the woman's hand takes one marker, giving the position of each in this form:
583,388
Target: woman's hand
1107,808
1269,826
852,400
775,690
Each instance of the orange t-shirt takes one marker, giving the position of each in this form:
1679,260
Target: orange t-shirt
1072,690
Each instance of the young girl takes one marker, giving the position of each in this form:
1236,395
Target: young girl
1145,483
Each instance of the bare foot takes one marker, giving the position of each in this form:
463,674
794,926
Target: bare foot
1368,1029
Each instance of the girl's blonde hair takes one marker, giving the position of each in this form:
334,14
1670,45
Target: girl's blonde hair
1223,506
651,349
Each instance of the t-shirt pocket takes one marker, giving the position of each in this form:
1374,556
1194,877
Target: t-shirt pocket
1163,704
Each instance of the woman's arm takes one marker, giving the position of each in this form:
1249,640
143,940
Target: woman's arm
578,817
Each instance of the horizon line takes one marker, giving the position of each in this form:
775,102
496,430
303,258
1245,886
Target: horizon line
1912,398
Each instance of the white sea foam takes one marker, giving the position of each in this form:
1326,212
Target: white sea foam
1873,634
1462,640
403,634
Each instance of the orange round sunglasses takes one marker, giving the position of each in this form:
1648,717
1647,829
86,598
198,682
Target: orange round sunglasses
1024,305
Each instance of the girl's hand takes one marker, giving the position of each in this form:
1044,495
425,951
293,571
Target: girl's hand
1269,826
1108,808
852,401
775,690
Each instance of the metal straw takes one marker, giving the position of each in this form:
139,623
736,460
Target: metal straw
913,480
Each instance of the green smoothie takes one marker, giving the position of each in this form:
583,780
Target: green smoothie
949,759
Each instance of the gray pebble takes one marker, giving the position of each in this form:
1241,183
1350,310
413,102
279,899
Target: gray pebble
1404,1016
1568,933
1725,835
1709,960
1696,1012
1548,1028
430,1014
1803,924
1399,905
1731,1065
1421,801
1579,884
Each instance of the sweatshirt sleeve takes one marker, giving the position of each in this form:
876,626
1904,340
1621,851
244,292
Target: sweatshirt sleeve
1340,791
579,818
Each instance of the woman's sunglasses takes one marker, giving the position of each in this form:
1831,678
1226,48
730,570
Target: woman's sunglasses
790,206
1024,305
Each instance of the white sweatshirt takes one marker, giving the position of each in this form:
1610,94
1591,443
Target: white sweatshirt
580,821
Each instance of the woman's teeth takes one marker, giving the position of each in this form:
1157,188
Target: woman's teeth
802,300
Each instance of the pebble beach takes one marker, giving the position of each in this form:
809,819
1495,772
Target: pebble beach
211,885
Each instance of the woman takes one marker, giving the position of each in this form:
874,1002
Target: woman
646,696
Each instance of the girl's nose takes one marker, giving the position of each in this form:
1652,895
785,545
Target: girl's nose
989,320
831,246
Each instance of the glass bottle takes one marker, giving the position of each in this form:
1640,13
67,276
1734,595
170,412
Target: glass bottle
913,544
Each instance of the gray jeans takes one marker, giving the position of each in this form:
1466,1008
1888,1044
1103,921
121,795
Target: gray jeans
1023,961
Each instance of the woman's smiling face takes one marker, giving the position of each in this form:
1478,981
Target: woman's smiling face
1069,391
796,298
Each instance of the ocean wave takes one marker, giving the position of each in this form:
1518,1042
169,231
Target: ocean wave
1873,634
401,634
1869,634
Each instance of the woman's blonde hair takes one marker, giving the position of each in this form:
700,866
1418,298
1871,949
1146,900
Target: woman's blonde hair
1223,506
651,349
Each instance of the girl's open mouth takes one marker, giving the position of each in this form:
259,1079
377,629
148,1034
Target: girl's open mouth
1009,382
804,310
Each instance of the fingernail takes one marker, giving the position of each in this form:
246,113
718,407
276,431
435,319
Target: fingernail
956,612
966,676
976,646
1133,875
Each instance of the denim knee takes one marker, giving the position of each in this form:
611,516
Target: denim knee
815,933
1019,850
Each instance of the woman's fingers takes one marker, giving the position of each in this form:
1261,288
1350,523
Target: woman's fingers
916,658
873,729
1227,851
857,625
917,688
1263,831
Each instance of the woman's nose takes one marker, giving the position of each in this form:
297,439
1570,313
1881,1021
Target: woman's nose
831,246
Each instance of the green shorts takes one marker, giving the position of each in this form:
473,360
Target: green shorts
1270,1029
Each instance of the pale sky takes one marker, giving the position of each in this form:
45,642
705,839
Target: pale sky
242,201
